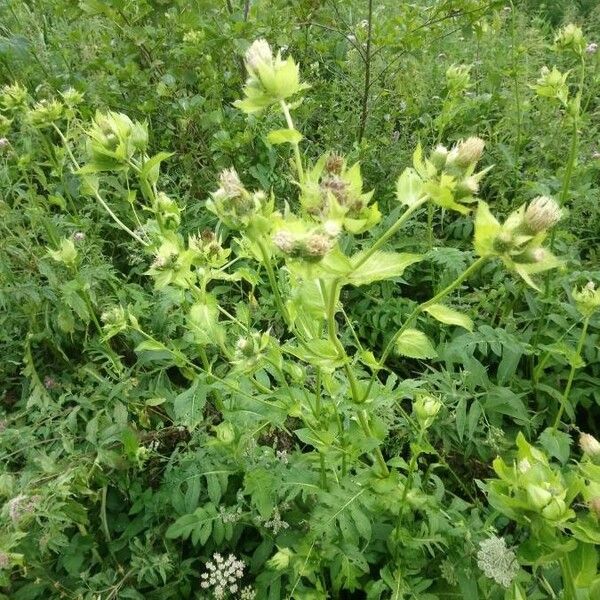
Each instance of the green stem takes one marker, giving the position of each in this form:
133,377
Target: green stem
363,418
424,305
323,471
273,281
420,308
97,195
290,123
411,469
390,232
565,396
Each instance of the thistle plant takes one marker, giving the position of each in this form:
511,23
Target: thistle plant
303,366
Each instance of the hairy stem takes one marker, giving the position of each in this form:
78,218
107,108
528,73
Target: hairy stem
297,157
419,309
273,281
364,110
565,397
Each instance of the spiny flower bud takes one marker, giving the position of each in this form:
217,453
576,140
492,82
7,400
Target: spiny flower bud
425,409
542,214
439,156
587,299
332,228
284,241
259,54
570,37
469,151
504,241
230,182
532,255
334,164
589,445
318,245
467,187
594,505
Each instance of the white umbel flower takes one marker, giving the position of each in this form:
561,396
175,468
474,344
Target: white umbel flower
222,575
497,561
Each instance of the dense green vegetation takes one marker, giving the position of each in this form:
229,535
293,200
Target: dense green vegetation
299,299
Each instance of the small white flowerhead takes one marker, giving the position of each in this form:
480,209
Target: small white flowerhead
497,561
332,228
539,254
542,214
79,236
284,241
258,55
592,48
589,445
524,465
318,245
468,152
3,143
230,182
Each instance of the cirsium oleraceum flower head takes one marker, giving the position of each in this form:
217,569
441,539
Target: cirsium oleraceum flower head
518,242
589,445
587,299
270,78
542,214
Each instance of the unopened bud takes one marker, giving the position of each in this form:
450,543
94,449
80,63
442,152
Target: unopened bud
504,241
538,496
589,445
469,151
332,228
439,156
594,505
555,509
542,214
318,245
426,408
281,559
230,182
334,164
259,54
284,241
225,432
467,187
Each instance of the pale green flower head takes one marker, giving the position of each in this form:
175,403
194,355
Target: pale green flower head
570,37
297,239
518,242
587,299
425,409
270,78
238,207
552,84
66,253
45,113
332,192
13,97
113,139
448,178
458,78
